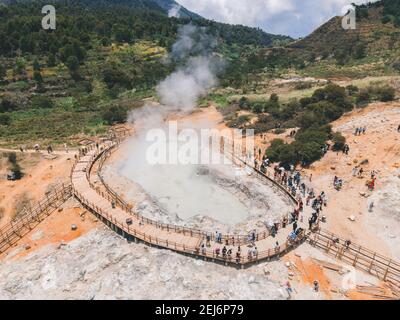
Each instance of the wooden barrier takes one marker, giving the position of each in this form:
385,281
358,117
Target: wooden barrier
122,227
357,256
31,217
237,239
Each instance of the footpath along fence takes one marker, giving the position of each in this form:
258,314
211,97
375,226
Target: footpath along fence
359,257
31,217
123,228
111,195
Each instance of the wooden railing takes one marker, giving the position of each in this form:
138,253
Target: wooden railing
357,256
111,195
126,230
30,217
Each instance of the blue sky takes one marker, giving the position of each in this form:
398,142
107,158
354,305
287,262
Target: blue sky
296,18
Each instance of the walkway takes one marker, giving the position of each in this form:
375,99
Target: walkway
120,217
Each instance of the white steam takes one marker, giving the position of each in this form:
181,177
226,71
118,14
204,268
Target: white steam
174,12
183,88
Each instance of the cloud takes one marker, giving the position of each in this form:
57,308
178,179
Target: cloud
292,17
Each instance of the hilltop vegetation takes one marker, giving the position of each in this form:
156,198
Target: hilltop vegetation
103,56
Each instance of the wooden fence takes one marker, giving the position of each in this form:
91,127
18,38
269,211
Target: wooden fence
111,195
30,217
357,256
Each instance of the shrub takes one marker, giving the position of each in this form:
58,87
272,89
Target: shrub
338,141
352,89
305,101
244,103
385,93
309,152
363,97
273,152
12,158
258,108
302,85
386,19
239,121
8,104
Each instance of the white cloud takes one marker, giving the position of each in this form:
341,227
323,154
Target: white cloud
292,17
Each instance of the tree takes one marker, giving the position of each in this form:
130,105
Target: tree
360,50
274,98
243,103
397,21
5,120
72,64
3,72
20,66
8,104
114,114
338,141
386,19
36,65
51,60
37,76
42,102
341,56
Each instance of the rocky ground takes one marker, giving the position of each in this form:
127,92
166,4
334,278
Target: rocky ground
98,264
102,265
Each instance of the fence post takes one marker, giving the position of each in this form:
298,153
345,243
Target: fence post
387,270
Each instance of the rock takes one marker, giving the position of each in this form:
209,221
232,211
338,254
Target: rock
392,236
297,255
74,227
352,218
333,168
252,279
60,209
62,243
27,246
287,264
266,271
291,274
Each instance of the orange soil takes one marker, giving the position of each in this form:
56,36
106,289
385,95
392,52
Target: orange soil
56,229
35,183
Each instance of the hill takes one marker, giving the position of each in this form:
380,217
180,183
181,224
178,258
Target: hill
372,49
375,33
103,56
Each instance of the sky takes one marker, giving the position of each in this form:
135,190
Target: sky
296,18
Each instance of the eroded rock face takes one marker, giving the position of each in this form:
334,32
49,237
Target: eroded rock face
385,216
101,265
